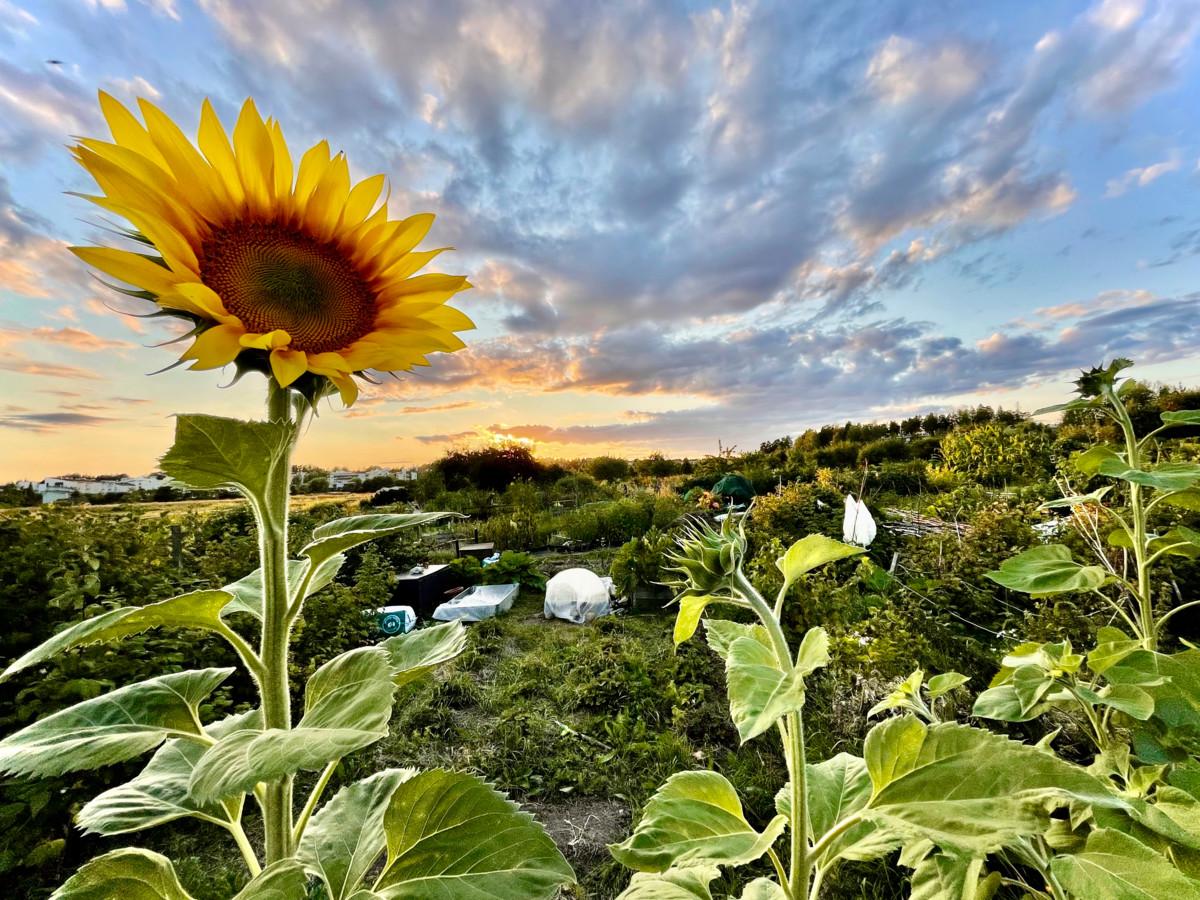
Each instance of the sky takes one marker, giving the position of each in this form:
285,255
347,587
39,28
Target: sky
685,221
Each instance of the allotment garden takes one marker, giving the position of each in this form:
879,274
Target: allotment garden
995,697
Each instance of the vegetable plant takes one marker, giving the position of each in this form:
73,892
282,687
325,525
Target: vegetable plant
968,811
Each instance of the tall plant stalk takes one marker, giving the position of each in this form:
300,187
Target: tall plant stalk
272,518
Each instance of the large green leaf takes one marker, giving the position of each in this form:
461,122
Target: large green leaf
212,452
966,790
1047,570
1115,866
1181,417
159,793
1088,462
1163,477
282,880
248,591
1112,646
721,633
414,654
453,836
342,534
760,693
944,877
837,788
130,874
348,703
111,728
199,609
686,883
810,552
694,818
346,837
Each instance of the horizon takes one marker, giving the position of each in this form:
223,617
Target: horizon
685,222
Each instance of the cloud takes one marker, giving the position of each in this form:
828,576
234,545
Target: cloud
71,338
23,365
763,384
446,438
1140,177
51,421
38,108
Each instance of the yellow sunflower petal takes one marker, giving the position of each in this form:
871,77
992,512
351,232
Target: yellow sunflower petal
328,198
410,264
214,142
216,347
313,164
288,365
127,130
175,249
283,162
205,192
255,156
398,239
130,268
326,362
200,299
449,318
361,200
343,381
272,340
124,186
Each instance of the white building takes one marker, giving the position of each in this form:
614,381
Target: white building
64,487
339,479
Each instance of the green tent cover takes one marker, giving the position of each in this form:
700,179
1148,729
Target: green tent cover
735,487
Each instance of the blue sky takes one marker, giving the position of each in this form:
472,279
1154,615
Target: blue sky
686,221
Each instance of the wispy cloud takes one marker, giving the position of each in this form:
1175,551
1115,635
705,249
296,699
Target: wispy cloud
1140,177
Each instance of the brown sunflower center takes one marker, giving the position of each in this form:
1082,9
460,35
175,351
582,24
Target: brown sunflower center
272,276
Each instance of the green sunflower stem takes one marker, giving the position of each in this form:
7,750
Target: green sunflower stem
273,650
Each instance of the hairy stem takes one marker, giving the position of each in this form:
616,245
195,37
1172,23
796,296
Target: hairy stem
273,649
793,745
1149,634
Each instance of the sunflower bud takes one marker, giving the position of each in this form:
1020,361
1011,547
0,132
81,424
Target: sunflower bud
707,559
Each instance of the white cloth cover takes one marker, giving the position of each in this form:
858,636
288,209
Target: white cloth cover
577,595
483,601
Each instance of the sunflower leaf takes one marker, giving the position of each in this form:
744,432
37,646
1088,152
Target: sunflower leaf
695,818
130,873
454,836
214,452
198,609
113,727
347,704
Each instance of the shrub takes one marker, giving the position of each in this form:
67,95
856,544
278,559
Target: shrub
515,568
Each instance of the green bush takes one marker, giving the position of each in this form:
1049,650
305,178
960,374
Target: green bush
515,568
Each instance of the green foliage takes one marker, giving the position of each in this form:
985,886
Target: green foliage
961,804
515,568
206,773
638,563
998,454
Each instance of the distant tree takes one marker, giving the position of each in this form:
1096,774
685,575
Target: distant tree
11,495
490,468
610,468
656,465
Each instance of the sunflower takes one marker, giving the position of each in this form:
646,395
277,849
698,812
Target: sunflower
288,269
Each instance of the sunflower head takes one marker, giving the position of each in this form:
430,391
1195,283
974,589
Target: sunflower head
281,267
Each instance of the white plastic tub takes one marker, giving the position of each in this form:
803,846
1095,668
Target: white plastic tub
483,601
